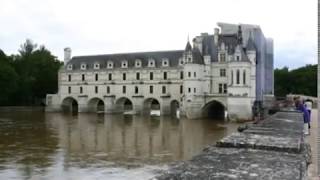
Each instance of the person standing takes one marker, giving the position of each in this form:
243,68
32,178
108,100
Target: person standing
306,118
308,104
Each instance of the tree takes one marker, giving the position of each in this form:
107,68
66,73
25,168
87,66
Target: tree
8,79
302,80
27,77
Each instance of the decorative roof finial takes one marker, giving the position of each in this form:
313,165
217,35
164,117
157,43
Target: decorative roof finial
239,35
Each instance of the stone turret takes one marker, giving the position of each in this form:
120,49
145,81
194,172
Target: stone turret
216,36
67,55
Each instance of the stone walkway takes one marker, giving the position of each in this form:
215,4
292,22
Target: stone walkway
312,140
272,149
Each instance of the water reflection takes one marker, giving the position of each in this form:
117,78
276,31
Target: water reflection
47,145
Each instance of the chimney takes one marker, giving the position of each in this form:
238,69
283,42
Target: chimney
216,35
67,55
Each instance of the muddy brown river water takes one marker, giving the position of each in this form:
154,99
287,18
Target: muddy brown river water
54,146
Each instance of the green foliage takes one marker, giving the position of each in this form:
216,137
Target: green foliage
298,81
26,78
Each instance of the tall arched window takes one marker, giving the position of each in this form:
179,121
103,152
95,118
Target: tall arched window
238,76
231,76
244,77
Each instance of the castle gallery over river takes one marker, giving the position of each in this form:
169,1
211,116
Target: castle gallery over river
216,73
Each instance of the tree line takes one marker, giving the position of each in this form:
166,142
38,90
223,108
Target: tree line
26,78
302,80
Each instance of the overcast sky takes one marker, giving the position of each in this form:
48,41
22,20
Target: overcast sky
113,26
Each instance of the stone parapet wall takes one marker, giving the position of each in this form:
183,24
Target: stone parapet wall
272,149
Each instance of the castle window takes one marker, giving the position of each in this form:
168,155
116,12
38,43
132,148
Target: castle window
96,77
238,58
181,74
164,90
108,89
69,77
189,90
244,77
165,62
195,74
110,65
136,90
124,64
225,88
181,89
165,75
238,76
189,59
96,66
69,67
124,76
151,63
151,89
69,90
138,63
83,77
222,88
138,76
189,74
109,76
222,72
124,89
151,75
96,89
83,66
81,90
222,57
231,76
194,90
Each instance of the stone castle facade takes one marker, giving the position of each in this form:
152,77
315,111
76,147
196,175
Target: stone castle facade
221,72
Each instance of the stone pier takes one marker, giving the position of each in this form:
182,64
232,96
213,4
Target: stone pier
272,149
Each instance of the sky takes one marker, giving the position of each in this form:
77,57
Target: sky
115,26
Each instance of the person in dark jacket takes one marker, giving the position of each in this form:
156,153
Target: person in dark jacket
306,116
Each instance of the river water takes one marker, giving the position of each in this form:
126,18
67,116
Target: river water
54,146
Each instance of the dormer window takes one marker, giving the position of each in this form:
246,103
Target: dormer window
83,66
138,63
222,57
124,64
69,67
180,61
96,66
165,62
238,58
151,63
109,65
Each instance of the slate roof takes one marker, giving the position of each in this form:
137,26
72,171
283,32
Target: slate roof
197,57
229,40
250,45
172,56
188,47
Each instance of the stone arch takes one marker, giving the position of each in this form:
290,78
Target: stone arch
69,104
150,104
96,105
124,104
174,107
214,110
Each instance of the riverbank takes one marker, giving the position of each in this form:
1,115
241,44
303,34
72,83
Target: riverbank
273,149
21,108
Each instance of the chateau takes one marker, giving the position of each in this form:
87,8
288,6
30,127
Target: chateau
215,73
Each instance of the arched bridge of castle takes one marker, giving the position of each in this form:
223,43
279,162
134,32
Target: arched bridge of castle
214,107
112,104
